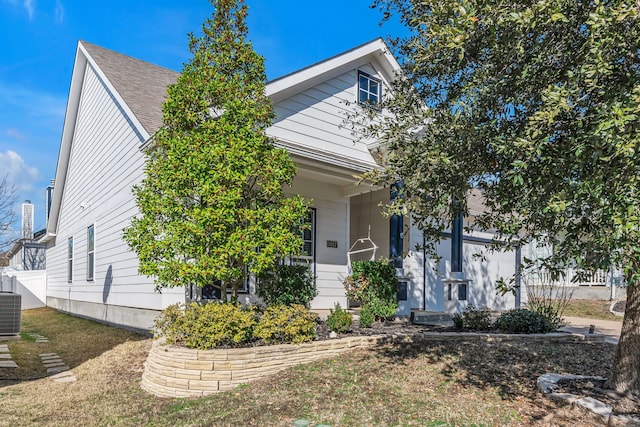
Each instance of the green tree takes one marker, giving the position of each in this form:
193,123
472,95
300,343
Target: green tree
212,203
535,104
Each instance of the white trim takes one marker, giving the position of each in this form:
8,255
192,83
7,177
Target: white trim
82,60
91,265
376,50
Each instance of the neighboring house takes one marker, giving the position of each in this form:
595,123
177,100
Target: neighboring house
4,260
114,108
25,273
28,253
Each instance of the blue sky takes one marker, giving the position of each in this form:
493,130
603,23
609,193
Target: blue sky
40,37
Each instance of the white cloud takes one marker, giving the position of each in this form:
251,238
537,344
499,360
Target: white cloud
36,105
15,134
59,12
21,175
29,6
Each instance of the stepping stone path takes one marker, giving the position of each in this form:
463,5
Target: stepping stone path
55,365
5,357
39,338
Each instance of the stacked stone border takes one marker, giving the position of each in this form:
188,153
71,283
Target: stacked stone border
548,383
173,371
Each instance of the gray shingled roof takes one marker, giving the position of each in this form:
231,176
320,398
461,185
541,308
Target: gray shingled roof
142,85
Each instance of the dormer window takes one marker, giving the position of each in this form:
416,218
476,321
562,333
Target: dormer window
369,88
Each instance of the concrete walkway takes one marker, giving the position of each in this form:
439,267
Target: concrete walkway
5,357
610,328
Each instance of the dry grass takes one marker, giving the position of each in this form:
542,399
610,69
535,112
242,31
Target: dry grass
438,384
591,309
75,341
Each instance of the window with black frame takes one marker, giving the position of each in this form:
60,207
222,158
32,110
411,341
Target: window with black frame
308,234
369,89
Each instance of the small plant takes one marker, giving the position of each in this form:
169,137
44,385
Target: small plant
366,317
476,319
549,291
206,326
458,321
382,310
522,321
339,320
281,324
287,285
373,284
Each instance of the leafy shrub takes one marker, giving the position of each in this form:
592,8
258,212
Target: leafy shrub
553,314
287,285
286,324
382,310
339,320
206,326
373,284
458,321
522,321
366,317
476,319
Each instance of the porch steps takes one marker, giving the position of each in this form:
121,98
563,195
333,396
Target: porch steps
420,317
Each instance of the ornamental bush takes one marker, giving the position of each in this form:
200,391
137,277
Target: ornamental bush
475,319
339,320
366,317
287,285
206,326
523,321
216,325
458,321
286,324
373,284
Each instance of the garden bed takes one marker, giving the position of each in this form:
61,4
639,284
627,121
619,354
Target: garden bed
174,371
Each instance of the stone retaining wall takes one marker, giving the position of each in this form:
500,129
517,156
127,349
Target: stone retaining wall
172,371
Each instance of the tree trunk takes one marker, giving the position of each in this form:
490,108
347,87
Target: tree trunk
625,376
223,291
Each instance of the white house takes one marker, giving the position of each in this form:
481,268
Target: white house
114,107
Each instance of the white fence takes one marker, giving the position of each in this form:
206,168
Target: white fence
31,284
573,278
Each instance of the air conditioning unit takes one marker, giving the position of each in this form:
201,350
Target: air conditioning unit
10,311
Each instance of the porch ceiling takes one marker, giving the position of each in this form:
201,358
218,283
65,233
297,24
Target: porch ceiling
345,178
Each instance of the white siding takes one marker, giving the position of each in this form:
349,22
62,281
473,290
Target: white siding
105,163
314,119
366,212
331,224
483,273
413,264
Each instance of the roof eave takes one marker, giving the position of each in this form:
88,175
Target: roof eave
375,50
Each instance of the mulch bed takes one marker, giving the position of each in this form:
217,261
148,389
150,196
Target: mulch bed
381,328
620,404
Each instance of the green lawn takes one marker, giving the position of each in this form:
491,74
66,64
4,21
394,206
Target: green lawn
591,309
437,384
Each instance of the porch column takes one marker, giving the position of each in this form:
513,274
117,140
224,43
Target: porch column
396,224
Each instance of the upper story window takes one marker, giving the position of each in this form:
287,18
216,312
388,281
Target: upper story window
369,88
